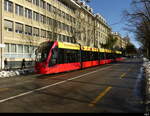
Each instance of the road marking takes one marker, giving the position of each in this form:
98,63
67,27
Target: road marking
3,89
45,87
101,95
123,75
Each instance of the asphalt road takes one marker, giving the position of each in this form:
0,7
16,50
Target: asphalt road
112,88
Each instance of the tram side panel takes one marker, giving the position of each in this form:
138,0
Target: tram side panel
89,59
102,58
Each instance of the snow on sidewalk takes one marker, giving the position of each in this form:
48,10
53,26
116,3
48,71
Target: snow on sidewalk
146,65
146,68
5,74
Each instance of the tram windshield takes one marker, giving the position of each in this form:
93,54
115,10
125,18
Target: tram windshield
43,51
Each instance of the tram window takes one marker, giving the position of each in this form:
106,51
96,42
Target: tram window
113,56
85,56
95,55
68,56
102,56
43,51
89,56
109,56
54,57
106,55
61,56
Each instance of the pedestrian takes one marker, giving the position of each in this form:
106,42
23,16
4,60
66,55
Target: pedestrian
23,64
5,64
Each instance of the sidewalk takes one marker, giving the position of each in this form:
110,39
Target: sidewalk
16,72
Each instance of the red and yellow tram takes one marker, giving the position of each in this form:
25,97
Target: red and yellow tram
56,57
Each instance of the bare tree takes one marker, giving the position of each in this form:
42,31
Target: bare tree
139,22
110,44
130,49
82,31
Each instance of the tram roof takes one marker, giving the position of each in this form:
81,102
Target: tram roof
118,52
88,48
102,50
67,45
108,51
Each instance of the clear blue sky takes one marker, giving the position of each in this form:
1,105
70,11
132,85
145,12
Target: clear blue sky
112,10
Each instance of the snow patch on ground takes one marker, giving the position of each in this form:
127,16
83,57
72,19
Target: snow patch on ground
7,74
146,68
146,65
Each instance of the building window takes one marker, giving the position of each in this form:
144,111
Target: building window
49,21
8,25
43,19
35,32
59,37
67,17
63,14
19,10
26,49
28,30
6,47
28,13
35,16
18,28
59,24
20,48
68,39
8,6
29,1
43,33
49,34
49,7
31,49
53,9
55,36
63,38
13,48
36,2
42,4
59,12
63,25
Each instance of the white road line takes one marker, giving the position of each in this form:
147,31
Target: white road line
45,87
